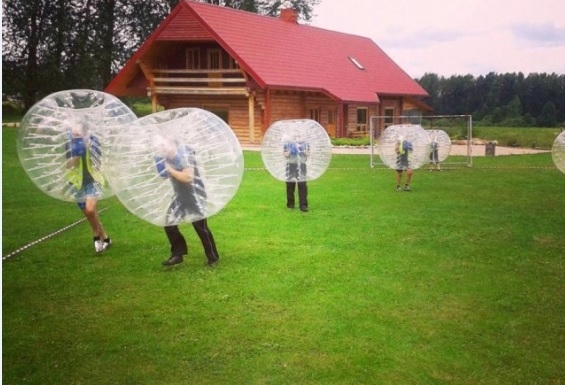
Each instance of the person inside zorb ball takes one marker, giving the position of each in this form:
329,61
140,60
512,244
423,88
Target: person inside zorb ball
62,139
440,147
558,151
177,166
61,142
84,163
177,163
296,151
404,148
148,158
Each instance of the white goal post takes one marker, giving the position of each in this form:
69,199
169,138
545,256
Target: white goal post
458,127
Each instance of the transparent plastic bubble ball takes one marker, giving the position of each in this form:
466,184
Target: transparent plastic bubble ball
150,158
440,145
66,124
298,150
558,151
402,141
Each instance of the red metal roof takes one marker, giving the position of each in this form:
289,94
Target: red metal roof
280,54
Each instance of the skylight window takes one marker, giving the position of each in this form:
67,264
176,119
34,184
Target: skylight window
356,62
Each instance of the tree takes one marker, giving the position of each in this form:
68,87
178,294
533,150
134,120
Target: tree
51,45
71,43
548,116
24,27
304,8
504,99
432,84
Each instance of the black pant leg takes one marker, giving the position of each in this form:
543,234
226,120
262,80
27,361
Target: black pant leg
302,172
207,239
177,241
303,194
290,187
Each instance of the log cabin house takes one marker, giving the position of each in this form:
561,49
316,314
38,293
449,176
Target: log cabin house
253,70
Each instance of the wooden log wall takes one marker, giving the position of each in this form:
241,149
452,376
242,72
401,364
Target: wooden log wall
284,105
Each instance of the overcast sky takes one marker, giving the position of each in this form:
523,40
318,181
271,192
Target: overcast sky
456,37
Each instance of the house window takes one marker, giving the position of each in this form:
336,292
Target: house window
389,116
221,112
192,58
315,114
356,62
362,119
214,59
414,116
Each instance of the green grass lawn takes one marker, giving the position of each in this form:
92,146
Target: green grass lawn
529,137
460,281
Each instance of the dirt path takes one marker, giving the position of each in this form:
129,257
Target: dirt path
456,149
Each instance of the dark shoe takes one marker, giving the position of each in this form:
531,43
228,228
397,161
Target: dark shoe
174,260
289,206
303,208
213,262
106,243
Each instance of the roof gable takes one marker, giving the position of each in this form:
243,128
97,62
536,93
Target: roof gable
283,54
185,27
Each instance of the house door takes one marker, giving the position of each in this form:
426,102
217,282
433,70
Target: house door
331,123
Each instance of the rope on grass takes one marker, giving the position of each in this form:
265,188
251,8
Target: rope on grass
15,252
443,168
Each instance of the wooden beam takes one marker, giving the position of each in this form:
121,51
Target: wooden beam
199,80
146,72
251,112
149,76
201,91
196,72
267,109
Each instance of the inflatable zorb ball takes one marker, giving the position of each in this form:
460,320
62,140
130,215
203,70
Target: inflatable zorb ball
409,140
148,158
296,150
64,125
558,151
440,145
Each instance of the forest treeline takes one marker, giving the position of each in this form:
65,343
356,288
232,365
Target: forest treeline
510,99
54,45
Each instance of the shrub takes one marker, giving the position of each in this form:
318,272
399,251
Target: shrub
11,110
350,141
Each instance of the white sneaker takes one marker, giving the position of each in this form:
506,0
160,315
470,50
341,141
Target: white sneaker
99,246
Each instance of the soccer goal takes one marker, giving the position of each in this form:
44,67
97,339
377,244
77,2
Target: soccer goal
458,127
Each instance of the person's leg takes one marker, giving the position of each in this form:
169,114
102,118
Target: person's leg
290,187
179,248
303,195
207,239
88,200
89,211
101,239
408,176
408,179
301,172
398,179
